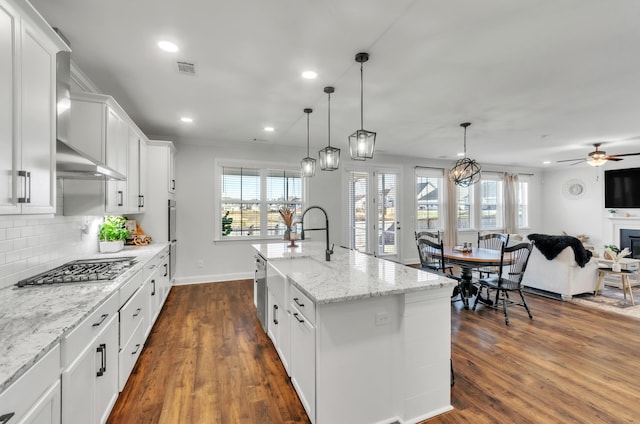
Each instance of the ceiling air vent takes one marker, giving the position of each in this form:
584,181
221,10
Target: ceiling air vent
186,68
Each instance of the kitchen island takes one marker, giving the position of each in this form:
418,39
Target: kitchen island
364,340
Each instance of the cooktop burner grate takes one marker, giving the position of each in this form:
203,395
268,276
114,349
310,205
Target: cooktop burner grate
84,270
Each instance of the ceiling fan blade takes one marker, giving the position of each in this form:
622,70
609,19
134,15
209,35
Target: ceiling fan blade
623,154
612,158
571,160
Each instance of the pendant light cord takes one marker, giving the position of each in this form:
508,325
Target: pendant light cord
361,99
329,119
465,142
307,134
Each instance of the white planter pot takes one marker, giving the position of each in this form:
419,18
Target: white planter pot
111,246
616,267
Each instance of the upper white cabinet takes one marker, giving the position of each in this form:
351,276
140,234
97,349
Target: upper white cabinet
101,129
28,50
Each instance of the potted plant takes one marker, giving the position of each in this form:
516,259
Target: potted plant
112,234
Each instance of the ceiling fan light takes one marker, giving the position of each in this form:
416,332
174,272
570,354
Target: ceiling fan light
596,161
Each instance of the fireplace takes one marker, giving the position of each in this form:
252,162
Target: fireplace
631,239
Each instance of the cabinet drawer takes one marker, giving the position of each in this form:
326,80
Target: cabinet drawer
129,354
25,392
83,334
130,287
301,302
131,314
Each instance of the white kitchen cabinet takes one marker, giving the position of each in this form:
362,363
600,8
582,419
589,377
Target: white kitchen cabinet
117,151
303,359
90,378
35,397
171,166
133,318
137,171
279,315
27,111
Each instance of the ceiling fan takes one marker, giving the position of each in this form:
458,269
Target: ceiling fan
598,157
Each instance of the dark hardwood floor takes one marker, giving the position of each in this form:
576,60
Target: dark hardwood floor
208,361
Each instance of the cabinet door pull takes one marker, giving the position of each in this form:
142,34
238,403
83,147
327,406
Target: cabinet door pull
300,320
141,200
173,184
102,318
275,314
137,349
166,271
120,198
23,187
137,312
6,417
295,299
102,350
153,292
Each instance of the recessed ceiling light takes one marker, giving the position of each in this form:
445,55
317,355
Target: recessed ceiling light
186,119
269,129
167,46
546,162
309,75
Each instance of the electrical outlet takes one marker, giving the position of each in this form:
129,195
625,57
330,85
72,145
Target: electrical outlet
382,318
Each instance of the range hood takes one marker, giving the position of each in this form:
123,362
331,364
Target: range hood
71,163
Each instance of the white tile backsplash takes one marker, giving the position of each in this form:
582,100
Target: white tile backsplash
30,244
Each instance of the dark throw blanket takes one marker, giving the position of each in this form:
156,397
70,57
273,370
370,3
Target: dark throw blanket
551,246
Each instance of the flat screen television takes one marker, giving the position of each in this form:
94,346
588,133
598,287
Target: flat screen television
622,188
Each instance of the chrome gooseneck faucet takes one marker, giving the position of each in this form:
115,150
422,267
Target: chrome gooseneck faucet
328,252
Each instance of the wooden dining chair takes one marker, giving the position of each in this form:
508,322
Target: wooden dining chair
429,235
509,278
493,241
431,256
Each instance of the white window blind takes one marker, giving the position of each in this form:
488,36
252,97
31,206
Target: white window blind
358,185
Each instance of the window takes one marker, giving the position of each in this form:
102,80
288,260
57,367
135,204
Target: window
491,203
523,204
481,206
429,199
358,189
250,200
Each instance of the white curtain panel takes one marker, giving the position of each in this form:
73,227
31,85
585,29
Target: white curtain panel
451,230
511,203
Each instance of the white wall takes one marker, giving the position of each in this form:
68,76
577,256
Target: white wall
586,214
200,258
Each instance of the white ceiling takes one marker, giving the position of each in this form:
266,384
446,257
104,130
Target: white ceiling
538,79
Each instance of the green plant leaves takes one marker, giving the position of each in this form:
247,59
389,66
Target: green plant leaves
113,229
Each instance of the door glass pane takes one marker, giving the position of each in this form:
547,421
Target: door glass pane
358,202
387,201
428,191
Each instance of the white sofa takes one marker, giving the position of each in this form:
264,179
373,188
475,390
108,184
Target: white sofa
561,275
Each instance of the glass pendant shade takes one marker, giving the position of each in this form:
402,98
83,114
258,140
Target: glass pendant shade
362,142
596,161
308,164
329,156
465,171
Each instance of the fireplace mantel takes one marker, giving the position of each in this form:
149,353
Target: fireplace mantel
617,223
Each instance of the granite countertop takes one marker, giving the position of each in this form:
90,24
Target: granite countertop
350,275
33,319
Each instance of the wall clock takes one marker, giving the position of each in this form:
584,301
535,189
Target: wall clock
574,189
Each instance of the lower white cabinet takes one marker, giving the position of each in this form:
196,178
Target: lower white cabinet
133,321
279,316
90,366
35,397
303,360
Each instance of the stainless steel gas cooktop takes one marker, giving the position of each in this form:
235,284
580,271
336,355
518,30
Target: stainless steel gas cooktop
85,270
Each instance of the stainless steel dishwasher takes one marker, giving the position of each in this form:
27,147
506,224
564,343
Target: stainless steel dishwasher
260,283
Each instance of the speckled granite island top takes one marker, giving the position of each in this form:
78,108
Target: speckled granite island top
350,275
33,319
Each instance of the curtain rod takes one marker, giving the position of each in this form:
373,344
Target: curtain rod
428,167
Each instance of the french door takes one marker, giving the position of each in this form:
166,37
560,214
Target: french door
373,215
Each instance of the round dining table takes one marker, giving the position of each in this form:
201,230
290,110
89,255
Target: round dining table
468,261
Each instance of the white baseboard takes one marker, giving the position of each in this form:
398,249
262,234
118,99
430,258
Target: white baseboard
213,278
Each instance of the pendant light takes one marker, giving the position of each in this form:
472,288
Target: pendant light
362,142
308,164
329,156
465,171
